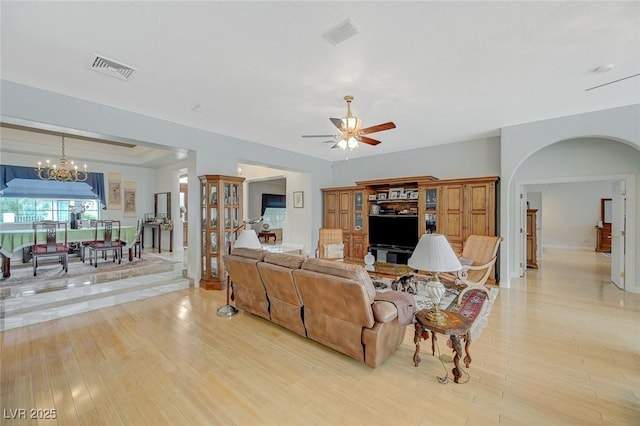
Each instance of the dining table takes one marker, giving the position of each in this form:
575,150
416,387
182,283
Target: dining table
12,240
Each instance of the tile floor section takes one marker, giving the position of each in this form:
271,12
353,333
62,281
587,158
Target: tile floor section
33,303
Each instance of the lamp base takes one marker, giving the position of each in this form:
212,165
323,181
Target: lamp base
227,311
435,316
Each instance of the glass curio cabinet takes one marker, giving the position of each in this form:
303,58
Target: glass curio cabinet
221,213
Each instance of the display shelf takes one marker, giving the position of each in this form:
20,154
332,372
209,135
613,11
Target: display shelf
221,211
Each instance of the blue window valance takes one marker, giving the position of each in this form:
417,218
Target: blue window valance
9,173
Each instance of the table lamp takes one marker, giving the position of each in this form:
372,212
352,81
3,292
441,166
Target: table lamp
247,239
434,254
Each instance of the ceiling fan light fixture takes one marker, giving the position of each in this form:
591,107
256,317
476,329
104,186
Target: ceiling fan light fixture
350,123
352,143
342,144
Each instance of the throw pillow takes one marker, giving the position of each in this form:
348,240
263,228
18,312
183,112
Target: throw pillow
334,250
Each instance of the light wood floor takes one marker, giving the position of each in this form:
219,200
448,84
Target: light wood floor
562,347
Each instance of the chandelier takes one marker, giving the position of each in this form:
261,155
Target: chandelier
53,172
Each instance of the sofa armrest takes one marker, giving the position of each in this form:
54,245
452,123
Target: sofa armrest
384,311
404,304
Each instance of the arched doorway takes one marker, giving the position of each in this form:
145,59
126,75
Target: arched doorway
587,161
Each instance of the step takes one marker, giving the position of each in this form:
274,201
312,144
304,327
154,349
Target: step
64,300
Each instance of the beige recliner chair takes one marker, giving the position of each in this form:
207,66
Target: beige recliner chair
249,292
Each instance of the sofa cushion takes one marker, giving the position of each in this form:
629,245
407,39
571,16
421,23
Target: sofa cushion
293,261
343,270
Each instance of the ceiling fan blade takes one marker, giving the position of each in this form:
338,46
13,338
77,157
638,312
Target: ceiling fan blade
378,128
369,141
338,123
319,136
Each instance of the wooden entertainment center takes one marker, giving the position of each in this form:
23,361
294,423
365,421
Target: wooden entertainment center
456,208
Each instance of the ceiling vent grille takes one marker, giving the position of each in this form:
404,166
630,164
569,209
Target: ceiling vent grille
110,67
341,32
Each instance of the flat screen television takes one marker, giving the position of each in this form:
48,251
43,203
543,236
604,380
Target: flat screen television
393,231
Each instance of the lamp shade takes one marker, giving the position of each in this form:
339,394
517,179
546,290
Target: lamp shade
434,254
248,239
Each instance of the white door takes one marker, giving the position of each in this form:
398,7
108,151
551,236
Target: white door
618,230
523,231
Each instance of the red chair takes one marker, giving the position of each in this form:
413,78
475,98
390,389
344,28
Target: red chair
50,239
110,241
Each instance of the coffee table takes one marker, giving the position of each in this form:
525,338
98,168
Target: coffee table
383,269
454,326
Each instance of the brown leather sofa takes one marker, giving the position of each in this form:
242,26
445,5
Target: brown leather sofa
330,302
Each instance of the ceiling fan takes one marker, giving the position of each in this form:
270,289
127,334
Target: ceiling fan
351,131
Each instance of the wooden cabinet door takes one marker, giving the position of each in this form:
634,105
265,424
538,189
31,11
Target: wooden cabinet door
358,247
346,240
331,214
345,210
480,209
453,212
359,207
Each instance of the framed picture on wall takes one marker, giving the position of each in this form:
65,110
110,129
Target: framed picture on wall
130,199
298,199
114,199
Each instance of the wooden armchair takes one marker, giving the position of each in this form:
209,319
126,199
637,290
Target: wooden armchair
330,244
479,254
110,242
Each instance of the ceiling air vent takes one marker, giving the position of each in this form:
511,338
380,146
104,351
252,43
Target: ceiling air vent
341,32
110,67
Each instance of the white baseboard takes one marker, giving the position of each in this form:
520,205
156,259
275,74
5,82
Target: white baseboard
553,246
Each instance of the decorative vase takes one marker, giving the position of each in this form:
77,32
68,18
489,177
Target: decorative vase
369,259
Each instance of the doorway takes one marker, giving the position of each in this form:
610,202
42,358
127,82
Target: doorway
183,203
570,216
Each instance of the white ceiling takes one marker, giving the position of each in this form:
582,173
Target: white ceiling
444,72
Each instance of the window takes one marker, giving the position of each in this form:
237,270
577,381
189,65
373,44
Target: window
27,210
274,210
275,217
30,200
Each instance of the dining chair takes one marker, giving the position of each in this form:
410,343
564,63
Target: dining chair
110,241
85,244
137,244
49,242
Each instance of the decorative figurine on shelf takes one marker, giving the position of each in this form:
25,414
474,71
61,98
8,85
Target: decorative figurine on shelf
369,260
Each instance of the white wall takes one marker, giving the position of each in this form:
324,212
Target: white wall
463,159
616,128
569,212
